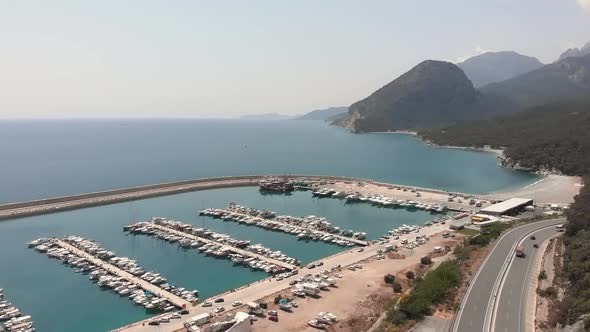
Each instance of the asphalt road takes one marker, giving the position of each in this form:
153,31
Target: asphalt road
474,307
511,306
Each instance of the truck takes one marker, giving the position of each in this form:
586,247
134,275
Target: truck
197,320
254,308
520,251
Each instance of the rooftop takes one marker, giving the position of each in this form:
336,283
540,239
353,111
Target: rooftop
506,205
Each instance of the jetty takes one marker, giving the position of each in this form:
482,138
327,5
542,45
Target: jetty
233,249
279,225
146,286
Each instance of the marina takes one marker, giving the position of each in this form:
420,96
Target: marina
193,268
220,245
120,274
310,227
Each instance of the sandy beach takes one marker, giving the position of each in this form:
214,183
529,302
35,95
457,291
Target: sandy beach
552,189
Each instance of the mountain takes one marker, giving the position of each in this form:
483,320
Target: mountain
494,67
324,114
573,52
431,93
551,136
565,79
266,117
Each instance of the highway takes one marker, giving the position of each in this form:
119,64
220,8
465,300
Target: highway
478,303
511,310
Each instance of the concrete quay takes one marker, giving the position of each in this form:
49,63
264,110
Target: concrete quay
175,300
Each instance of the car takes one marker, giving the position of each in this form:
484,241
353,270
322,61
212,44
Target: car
236,304
219,300
273,313
533,237
263,305
219,309
292,282
253,318
319,263
535,245
184,312
154,323
337,275
360,250
358,266
273,318
351,268
310,266
206,304
294,304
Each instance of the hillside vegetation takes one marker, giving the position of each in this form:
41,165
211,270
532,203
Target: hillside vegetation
555,136
576,301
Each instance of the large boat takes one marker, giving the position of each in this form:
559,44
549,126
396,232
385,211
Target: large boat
276,184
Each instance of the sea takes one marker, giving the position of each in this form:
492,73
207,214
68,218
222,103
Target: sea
43,159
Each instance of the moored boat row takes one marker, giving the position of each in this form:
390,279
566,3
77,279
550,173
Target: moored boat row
305,228
11,318
214,244
102,266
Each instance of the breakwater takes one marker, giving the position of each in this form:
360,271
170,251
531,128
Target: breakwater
58,204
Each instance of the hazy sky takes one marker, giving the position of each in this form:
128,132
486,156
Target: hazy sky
220,58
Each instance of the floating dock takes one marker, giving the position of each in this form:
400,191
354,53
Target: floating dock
233,249
303,228
173,299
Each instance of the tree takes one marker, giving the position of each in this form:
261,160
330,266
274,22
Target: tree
389,279
542,275
410,275
397,287
426,260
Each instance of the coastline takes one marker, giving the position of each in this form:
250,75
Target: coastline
498,152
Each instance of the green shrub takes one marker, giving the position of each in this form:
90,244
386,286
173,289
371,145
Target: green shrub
426,260
389,279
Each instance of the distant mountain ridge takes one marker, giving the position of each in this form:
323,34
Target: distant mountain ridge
575,52
567,79
437,93
492,67
323,114
266,117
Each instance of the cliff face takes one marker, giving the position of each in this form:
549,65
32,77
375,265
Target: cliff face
432,93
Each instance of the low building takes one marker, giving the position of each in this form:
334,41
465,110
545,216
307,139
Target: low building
509,207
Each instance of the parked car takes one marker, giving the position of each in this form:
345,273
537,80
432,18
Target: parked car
219,300
206,304
273,313
219,309
273,318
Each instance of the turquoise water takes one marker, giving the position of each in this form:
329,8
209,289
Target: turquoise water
54,158
47,289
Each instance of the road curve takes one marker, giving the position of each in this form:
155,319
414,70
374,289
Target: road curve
511,310
479,296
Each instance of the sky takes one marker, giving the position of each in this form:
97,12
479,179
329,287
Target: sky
113,58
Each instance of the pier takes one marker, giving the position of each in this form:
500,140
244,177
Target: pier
233,249
175,300
303,228
59,204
